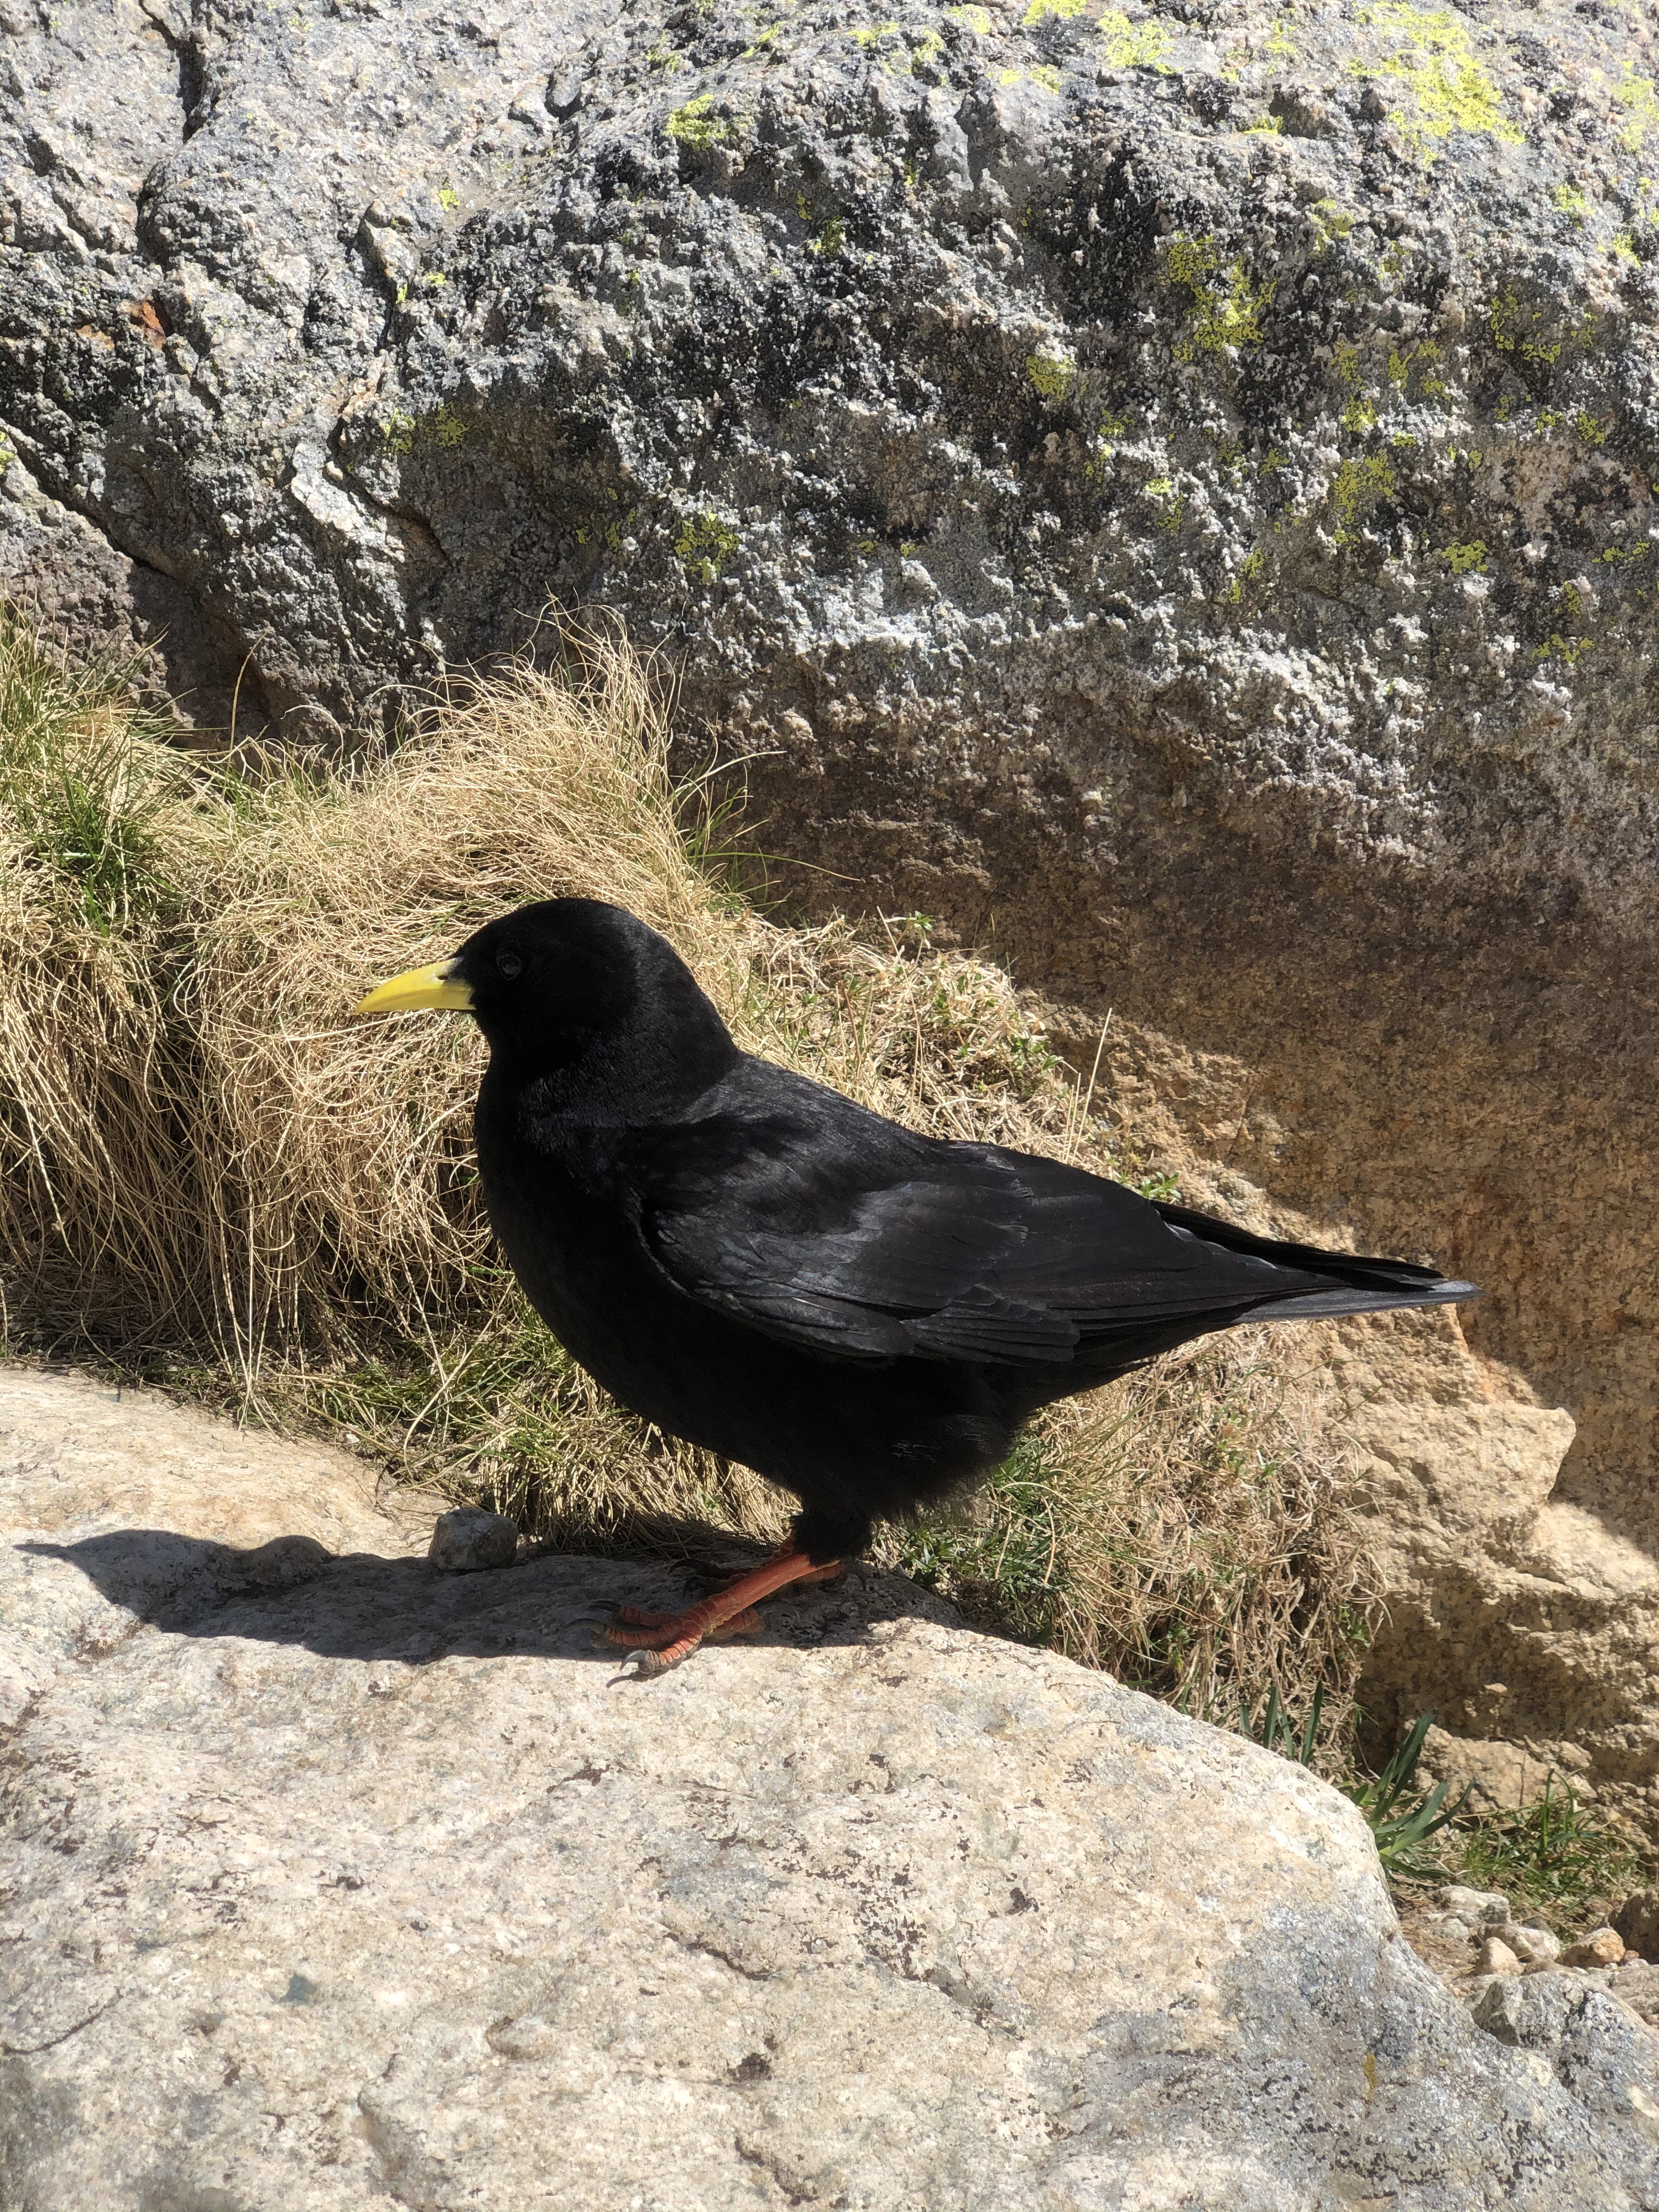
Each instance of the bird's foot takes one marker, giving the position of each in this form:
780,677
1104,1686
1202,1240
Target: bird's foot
657,1641
629,1617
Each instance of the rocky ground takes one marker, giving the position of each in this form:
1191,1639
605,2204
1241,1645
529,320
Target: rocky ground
335,1877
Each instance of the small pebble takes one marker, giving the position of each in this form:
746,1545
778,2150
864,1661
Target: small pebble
1496,1957
469,1537
1602,1947
1481,1908
1534,1946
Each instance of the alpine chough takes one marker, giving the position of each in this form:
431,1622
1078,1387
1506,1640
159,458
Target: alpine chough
762,1267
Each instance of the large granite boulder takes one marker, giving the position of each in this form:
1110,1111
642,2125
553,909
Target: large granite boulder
334,1881
1172,490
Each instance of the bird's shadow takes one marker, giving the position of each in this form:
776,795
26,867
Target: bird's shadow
359,1606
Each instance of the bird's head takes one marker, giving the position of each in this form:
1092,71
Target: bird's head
581,1000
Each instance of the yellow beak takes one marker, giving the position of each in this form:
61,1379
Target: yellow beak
420,987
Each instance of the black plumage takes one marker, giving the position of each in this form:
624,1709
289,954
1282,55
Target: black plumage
759,1265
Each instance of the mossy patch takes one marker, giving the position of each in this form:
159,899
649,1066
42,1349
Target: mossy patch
1429,54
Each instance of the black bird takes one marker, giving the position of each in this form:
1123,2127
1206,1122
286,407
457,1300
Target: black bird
758,1264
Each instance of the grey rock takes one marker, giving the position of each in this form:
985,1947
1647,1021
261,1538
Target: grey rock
1481,1908
1532,1946
877,1912
1636,1983
1607,2059
467,1538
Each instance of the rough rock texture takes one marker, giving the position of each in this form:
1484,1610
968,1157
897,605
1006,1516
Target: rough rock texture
339,1882
1172,488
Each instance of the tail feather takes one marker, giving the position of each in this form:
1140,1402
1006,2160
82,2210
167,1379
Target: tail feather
1314,1304
1357,1284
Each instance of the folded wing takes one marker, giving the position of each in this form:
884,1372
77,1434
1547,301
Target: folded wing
905,1247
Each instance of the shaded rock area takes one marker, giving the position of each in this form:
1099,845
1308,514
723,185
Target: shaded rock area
333,1879
1168,493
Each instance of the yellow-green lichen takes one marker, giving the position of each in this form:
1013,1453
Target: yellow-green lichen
974,18
1570,201
1225,307
1046,75
875,32
1173,503
1268,123
1250,569
705,545
1064,10
1359,416
448,198
696,125
1514,329
830,239
1429,53
1346,362
1469,560
1356,489
445,427
1134,46
1332,222
1558,647
1108,431
1052,378
1279,43
1637,94
1590,432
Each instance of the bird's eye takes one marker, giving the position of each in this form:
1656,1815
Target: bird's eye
507,963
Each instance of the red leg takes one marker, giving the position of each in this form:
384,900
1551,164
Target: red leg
633,1617
660,1641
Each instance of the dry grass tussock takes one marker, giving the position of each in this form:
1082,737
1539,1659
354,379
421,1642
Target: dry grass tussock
209,1172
